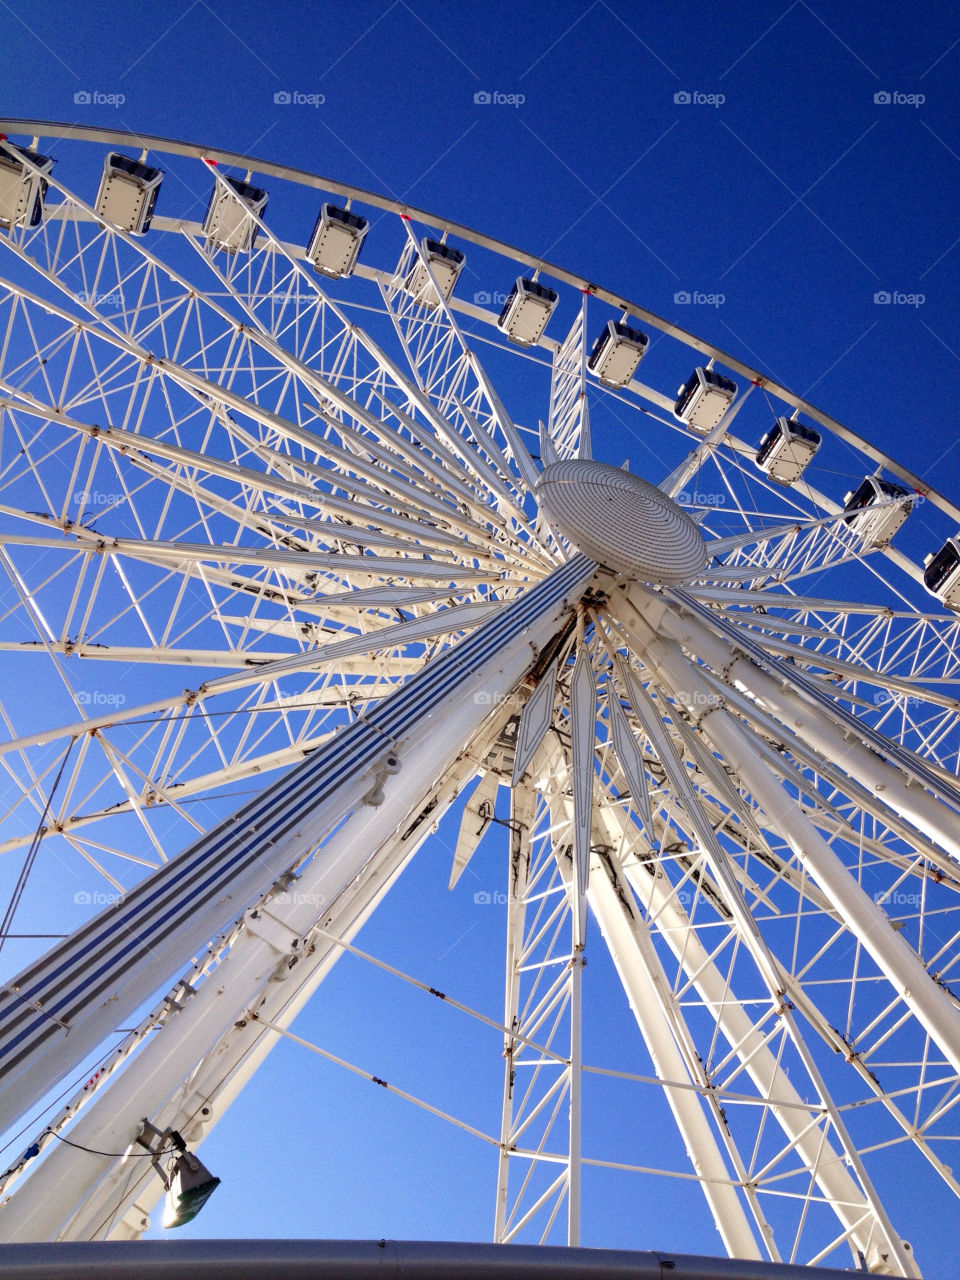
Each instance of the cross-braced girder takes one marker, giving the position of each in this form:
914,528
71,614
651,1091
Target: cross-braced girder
283,501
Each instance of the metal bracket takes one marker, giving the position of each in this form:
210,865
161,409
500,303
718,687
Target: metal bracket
273,931
154,1140
382,770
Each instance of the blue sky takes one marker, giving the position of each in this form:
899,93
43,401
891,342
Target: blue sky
796,198
783,165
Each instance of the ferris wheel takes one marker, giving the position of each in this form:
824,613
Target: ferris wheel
309,541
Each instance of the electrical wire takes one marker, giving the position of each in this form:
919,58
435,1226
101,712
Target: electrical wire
114,1155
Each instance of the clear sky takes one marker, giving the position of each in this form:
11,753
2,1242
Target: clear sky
787,165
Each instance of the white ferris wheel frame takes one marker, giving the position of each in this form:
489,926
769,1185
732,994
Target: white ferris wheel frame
738,693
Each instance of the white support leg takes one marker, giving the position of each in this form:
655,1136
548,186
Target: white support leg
655,1009
648,990
890,784
933,1007
46,1202
861,1215
522,811
205,1096
543,1004
576,1076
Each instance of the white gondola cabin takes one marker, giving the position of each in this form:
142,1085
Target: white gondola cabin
703,400
226,224
616,353
128,193
21,190
445,265
941,574
786,450
876,510
335,242
526,311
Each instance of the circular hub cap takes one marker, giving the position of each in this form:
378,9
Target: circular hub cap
621,521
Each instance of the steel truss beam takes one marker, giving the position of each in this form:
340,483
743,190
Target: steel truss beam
75,1196
863,1221
932,1006
100,975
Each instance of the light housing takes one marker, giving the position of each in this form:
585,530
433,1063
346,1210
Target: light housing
191,1186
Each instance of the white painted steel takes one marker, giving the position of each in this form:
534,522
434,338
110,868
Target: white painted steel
934,1008
348,517
822,732
349,776
621,521
189,1073
861,1213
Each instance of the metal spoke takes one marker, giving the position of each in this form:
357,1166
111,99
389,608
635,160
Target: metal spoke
294,563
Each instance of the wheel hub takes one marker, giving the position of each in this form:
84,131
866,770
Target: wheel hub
621,521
